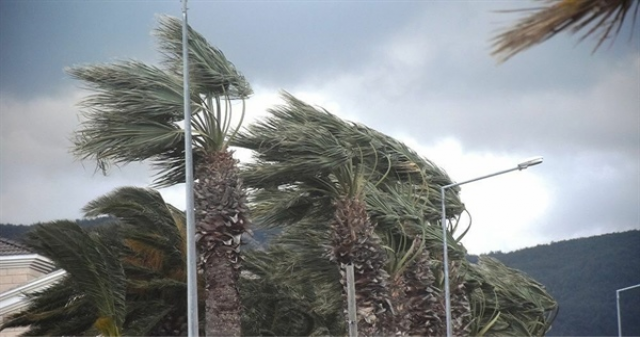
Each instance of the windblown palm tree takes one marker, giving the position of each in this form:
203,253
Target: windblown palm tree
302,153
333,173
315,168
135,114
123,278
598,17
92,294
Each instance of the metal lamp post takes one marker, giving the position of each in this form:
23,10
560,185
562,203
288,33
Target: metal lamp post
618,306
192,277
521,166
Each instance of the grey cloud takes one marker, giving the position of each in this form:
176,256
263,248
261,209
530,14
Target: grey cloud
594,193
405,68
39,178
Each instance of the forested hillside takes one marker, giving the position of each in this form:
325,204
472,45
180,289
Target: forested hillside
583,276
16,231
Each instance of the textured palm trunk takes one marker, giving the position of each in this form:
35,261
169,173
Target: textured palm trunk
420,304
221,218
460,306
422,299
355,242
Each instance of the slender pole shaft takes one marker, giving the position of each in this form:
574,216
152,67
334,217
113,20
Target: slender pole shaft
192,278
351,301
618,306
445,251
618,309
447,294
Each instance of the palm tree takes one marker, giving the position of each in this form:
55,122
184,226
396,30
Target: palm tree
153,255
92,294
307,159
313,166
135,114
332,172
126,277
598,17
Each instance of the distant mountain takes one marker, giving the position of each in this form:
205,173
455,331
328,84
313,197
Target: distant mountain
583,276
17,231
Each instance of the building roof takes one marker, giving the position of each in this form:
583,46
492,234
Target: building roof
10,247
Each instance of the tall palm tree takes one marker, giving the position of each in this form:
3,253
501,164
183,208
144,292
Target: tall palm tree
598,17
135,114
312,165
332,172
302,152
126,277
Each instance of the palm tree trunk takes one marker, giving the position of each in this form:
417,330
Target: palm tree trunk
419,297
221,210
422,300
355,242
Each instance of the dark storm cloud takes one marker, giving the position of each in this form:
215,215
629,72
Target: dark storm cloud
39,38
282,43
581,111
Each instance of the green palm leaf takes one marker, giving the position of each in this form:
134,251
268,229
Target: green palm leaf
91,261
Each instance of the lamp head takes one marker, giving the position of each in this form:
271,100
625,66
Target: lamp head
530,162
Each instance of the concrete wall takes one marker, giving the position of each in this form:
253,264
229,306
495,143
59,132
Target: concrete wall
13,277
16,271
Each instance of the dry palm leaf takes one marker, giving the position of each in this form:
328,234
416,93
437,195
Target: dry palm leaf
599,17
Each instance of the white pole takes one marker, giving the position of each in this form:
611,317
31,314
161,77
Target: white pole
192,278
447,295
351,301
445,251
618,306
618,309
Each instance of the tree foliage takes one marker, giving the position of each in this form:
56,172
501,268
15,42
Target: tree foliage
299,147
122,278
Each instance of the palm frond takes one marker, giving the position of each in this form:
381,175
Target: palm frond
506,302
51,306
90,261
143,317
210,71
603,18
149,222
132,116
135,109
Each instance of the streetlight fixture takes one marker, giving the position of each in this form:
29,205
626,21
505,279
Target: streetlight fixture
618,306
521,166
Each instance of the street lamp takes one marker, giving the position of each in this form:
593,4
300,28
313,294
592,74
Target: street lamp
521,166
618,306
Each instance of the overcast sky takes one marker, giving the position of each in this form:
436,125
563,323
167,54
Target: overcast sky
420,71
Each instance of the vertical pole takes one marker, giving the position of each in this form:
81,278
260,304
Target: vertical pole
351,301
192,277
445,251
618,309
